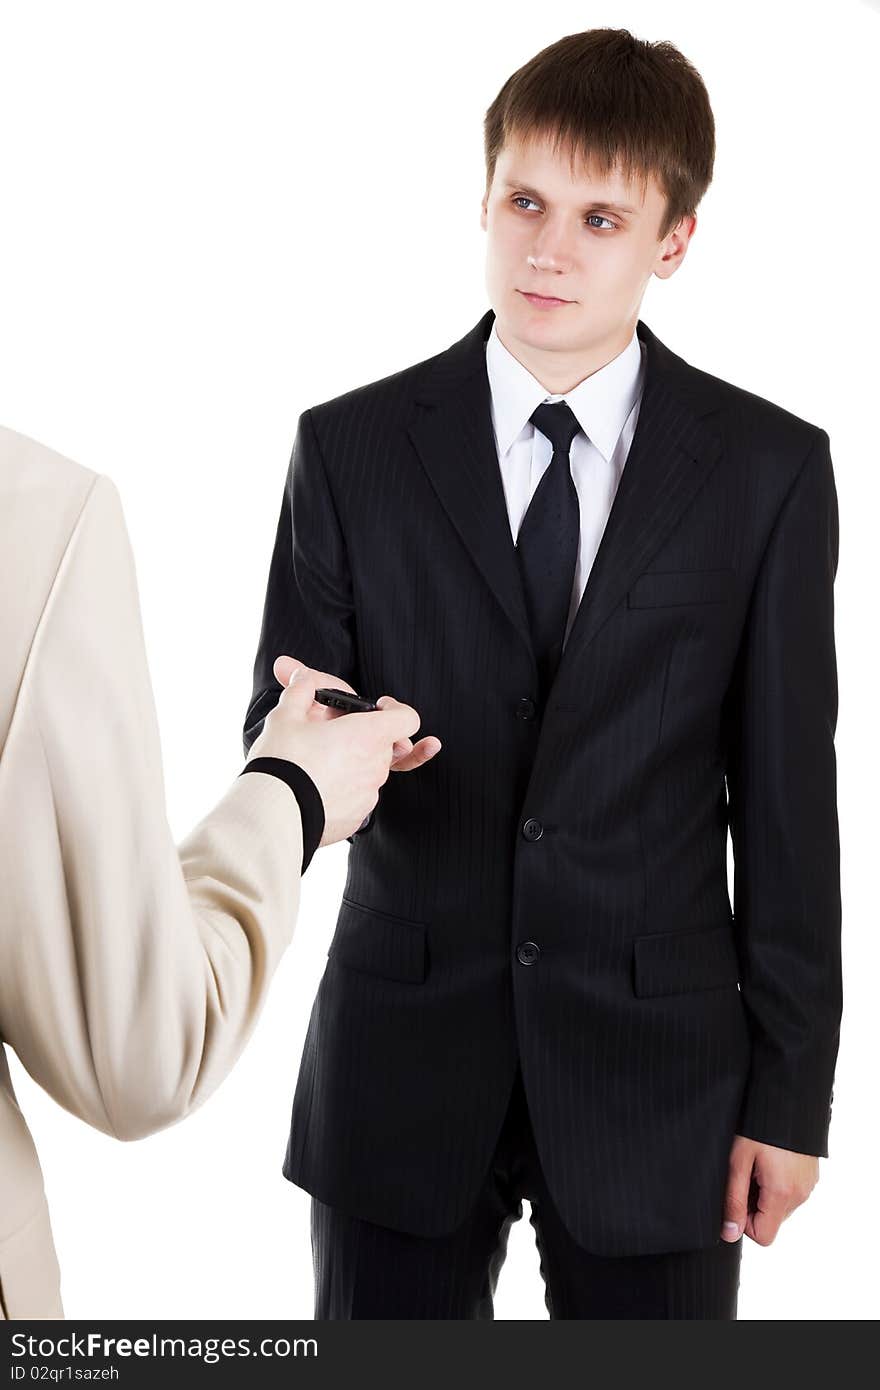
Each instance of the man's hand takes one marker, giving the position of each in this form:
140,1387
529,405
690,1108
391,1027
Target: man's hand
764,1186
407,756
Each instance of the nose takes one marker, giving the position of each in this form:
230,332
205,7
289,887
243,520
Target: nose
552,249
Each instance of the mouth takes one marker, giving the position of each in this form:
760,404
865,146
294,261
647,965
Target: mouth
543,301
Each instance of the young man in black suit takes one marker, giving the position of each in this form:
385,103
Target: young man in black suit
605,579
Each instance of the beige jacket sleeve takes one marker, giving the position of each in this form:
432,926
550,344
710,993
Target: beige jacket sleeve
131,970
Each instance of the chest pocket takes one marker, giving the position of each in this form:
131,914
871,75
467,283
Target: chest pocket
673,588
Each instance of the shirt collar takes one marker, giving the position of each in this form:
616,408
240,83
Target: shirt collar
601,402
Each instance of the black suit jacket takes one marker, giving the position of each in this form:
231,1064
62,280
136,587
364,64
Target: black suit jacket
553,886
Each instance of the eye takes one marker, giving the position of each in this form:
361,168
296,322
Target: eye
523,198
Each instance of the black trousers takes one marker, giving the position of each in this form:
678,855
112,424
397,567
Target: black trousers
367,1271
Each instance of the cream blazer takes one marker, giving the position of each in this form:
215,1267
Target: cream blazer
131,970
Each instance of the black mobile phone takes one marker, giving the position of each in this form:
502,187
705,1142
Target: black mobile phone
344,700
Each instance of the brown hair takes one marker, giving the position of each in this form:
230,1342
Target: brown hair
613,100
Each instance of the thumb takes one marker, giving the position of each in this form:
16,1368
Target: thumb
302,684
736,1197
283,668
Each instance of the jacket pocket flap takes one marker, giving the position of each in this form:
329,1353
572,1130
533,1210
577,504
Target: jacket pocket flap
661,588
677,961
394,948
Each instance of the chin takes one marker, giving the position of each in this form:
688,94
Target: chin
542,323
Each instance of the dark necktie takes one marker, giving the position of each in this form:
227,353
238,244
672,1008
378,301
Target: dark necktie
547,544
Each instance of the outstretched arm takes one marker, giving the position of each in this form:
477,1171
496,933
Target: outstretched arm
131,970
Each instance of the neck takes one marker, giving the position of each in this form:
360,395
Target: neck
560,372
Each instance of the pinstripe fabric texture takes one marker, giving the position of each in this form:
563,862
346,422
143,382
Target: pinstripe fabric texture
697,689
367,1271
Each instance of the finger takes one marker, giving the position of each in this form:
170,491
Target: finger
764,1221
284,668
422,752
300,692
736,1196
318,712
762,1229
322,679
400,718
326,678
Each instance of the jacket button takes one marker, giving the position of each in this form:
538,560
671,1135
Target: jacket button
533,830
527,952
525,709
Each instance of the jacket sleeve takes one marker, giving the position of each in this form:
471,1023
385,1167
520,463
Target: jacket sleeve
782,809
131,970
309,607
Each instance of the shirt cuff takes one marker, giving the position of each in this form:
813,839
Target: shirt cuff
311,807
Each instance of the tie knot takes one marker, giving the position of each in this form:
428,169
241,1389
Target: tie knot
558,422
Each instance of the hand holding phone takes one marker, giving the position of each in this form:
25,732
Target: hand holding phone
343,700
347,702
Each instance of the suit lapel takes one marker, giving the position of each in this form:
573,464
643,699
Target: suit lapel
452,433
673,451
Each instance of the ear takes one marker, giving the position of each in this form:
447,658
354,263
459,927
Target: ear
484,206
673,250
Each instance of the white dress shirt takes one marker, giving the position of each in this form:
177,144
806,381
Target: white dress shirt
606,406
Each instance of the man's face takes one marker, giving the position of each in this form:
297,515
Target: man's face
591,241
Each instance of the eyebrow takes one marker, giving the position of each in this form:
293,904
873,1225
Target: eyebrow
623,208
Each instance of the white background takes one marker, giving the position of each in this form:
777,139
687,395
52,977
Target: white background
213,216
